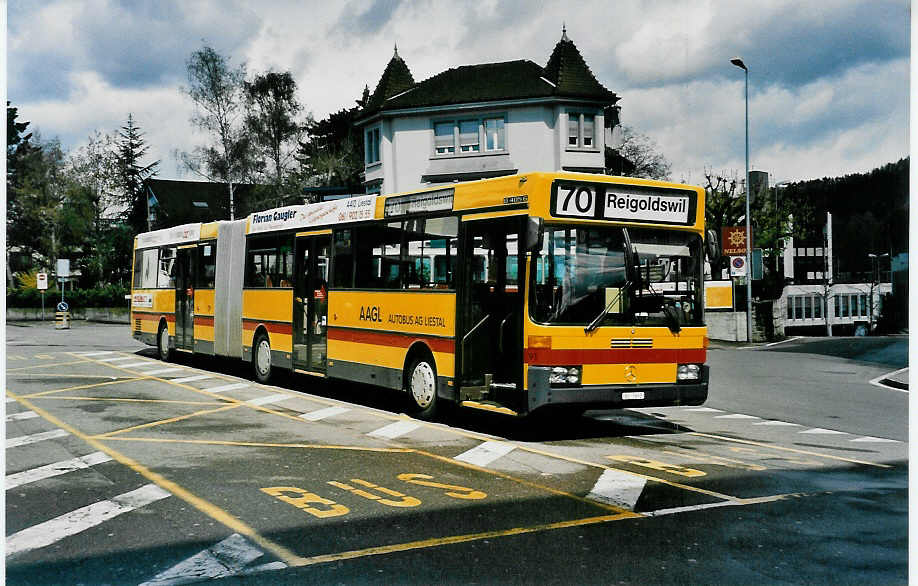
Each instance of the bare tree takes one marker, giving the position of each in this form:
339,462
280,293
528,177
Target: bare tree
217,91
638,156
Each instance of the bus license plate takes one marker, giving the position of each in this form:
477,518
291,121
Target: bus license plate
632,396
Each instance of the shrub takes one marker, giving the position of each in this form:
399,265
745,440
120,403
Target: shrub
105,296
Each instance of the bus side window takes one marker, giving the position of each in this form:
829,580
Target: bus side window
343,263
166,276
207,264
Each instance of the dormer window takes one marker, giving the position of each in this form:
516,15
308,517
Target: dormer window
581,130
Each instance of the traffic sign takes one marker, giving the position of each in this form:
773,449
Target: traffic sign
42,280
63,267
63,306
737,266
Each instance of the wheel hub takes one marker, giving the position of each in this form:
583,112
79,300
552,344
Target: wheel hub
422,385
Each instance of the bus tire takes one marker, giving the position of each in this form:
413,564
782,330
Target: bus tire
261,358
162,343
421,384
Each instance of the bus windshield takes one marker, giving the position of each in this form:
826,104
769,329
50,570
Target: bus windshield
581,273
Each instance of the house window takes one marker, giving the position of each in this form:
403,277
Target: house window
372,146
817,307
469,136
581,130
494,134
444,141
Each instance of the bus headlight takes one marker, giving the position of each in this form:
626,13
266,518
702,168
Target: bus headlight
688,371
565,375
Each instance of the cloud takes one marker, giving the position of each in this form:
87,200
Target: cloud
131,45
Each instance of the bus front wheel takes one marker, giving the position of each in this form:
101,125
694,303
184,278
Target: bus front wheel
421,382
261,358
162,343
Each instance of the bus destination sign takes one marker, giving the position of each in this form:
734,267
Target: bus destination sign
605,201
413,203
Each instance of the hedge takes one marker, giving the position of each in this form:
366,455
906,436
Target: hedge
107,296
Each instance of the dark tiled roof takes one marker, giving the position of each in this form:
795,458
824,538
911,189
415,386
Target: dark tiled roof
182,202
395,79
567,69
567,72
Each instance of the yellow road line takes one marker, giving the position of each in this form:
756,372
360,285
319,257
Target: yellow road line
452,540
47,365
129,400
794,450
255,444
165,421
79,387
206,507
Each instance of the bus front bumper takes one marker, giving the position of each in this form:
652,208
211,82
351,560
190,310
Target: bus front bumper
542,394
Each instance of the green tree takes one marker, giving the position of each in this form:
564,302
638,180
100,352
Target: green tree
217,92
332,153
131,173
272,120
19,151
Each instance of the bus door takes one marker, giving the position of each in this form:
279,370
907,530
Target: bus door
310,304
183,275
490,309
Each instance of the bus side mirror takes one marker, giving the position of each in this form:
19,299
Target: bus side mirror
535,228
712,247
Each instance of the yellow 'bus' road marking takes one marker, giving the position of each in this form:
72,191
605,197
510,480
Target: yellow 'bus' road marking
206,507
782,448
165,421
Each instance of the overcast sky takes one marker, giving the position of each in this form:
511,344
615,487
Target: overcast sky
829,79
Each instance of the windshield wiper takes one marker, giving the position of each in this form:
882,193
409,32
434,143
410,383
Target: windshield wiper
595,323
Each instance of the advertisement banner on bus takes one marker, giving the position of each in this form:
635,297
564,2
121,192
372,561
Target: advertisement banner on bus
338,211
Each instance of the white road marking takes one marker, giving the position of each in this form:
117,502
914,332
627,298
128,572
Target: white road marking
161,371
21,416
618,488
778,423
52,531
224,388
56,469
821,431
675,510
189,379
876,382
227,558
484,454
876,440
270,399
324,413
703,410
394,430
10,399
15,442
736,416
134,364
96,353
784,341
116,358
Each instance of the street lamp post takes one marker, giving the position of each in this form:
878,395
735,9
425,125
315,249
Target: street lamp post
874,281
739,63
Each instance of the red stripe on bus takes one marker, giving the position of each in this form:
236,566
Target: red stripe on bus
203,321
272,327
169,317
549,357
391,339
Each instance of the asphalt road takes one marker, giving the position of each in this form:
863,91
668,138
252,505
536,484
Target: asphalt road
124,470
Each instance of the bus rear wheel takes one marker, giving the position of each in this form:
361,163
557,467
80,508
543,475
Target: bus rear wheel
421,384
261,358
162,343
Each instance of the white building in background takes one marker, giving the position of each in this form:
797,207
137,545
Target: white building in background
488,120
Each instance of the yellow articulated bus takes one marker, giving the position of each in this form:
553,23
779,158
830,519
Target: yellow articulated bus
510,294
